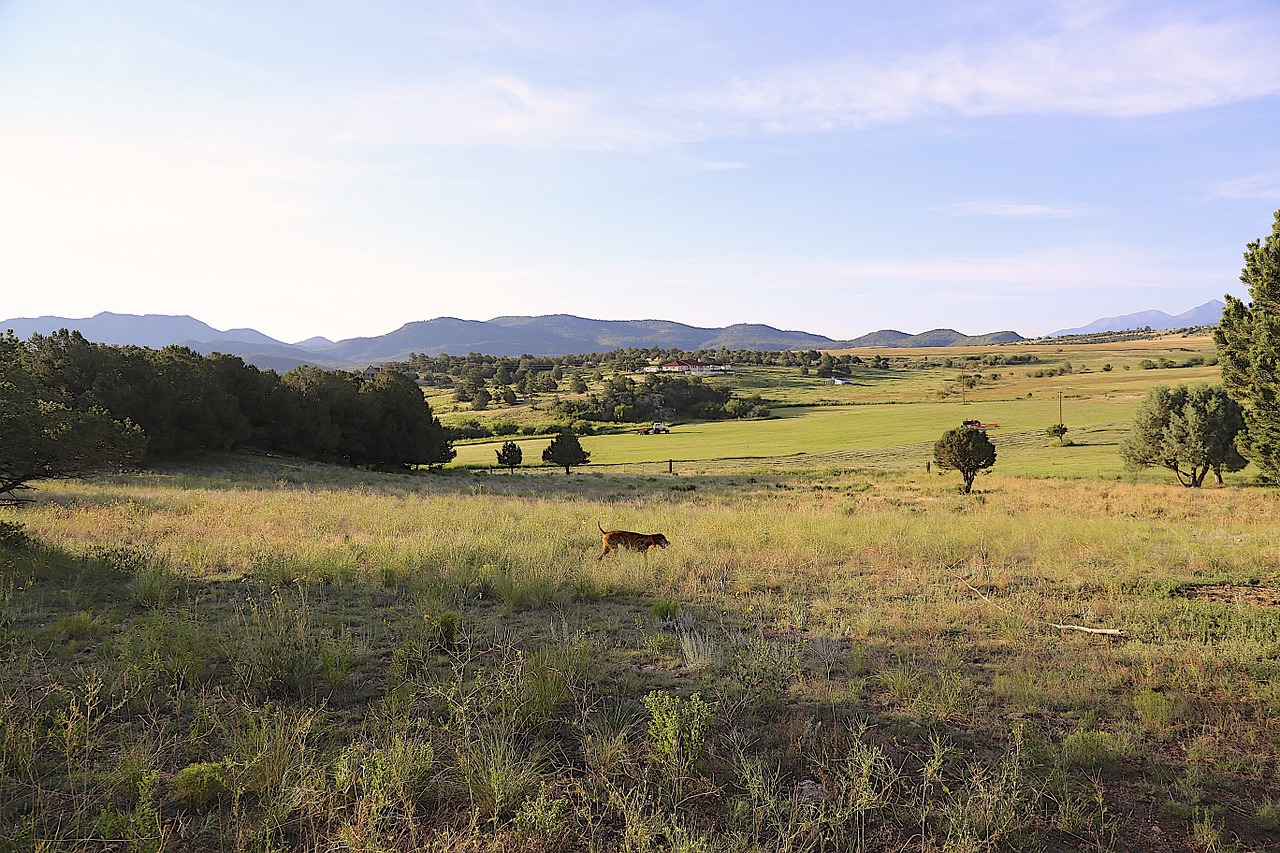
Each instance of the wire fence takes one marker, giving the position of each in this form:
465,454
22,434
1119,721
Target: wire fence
889,457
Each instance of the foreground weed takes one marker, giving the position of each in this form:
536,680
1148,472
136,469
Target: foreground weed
379,789
271,754
1267,816
541,819
498,771
78,724
862,783
1088,748
699,650
677,736
607,739
1155,710
157,585
280,651
994,808
1207,831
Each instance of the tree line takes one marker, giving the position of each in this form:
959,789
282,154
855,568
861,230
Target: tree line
68,404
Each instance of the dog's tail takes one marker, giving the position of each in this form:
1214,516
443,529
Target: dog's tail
598,524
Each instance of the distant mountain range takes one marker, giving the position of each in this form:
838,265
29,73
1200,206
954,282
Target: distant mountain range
552,334
1207,314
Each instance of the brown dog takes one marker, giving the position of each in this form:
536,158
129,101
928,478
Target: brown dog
642,542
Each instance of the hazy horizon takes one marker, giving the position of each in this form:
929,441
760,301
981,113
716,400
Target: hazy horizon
339,170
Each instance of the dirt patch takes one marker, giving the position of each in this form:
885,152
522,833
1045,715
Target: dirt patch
1260,596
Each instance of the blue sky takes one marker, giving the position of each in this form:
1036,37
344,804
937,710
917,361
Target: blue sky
340,168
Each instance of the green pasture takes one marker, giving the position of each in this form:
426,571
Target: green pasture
890,418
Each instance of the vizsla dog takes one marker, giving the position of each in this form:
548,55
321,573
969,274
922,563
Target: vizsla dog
642,542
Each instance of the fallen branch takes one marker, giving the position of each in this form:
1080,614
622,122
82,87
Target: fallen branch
1112,632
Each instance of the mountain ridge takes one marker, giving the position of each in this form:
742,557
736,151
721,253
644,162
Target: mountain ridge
510,335
1207,314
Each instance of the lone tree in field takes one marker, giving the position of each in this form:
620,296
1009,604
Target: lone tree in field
1248,339
565,450
1190,431
965,450
510,456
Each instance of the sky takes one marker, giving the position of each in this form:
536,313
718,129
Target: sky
341,167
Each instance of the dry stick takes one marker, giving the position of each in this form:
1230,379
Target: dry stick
1114,632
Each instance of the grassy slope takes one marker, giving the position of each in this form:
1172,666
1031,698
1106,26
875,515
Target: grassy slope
182,609
263,654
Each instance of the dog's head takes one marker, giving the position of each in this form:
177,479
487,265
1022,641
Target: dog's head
659,540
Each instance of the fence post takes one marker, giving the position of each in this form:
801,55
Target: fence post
670,466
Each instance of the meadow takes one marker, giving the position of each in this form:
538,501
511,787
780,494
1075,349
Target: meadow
890,418
258,653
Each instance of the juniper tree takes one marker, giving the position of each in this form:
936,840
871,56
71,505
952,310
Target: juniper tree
510,456
565,450
1190,431
1248,339
965,450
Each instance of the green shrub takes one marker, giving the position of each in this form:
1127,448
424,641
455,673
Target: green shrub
666,608
1087,748
201,785
1155,710
1267,816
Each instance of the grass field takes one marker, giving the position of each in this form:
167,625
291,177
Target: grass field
890,418
837,652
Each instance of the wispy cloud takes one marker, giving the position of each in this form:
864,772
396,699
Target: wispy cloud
1263,185
1096,62
1004,208
1085,66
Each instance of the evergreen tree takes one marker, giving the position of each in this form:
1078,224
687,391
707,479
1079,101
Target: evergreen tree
510,456
965,450
1248,339
42,438
565,450
1190,431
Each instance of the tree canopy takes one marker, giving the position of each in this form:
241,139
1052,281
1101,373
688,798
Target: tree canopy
1248,339
565,450
966,450
1190,431
44,438
182,402
510,456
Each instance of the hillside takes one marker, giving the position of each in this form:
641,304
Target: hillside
549,335
1207,314
932,338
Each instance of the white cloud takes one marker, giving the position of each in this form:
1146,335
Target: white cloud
1089,66
1005,208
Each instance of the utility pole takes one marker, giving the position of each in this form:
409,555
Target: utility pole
1060,423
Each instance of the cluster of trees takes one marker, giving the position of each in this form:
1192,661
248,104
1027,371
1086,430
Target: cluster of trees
1192,431
69,405
659,396
564,451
